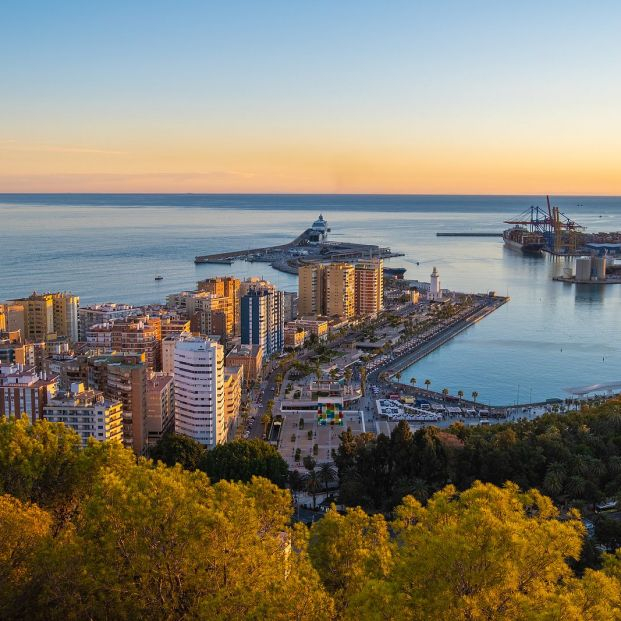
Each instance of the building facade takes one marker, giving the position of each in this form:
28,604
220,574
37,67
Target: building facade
262,316
228,287
160,407
50,315
250,357
311,290
103,313
24,392
340,296
199,390
233,381
369,278
123,377
88,413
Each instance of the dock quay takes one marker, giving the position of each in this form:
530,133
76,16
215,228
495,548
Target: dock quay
310,247
446,335
468,234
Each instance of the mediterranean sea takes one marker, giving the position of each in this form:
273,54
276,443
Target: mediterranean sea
550,335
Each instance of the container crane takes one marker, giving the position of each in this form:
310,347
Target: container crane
559,231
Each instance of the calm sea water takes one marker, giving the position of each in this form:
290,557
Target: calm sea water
550,336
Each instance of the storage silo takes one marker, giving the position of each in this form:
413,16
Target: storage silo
583,268
598,268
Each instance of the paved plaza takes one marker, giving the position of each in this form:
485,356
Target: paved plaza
325,436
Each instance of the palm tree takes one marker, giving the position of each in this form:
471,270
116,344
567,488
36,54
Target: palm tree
398,375
327,474
413,381
312,484
460,394
296,483
347,375
309,463
265,421
427,383
475,394
363,378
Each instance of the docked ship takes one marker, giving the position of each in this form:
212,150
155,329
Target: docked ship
528,242
319,231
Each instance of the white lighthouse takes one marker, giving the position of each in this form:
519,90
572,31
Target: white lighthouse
435,293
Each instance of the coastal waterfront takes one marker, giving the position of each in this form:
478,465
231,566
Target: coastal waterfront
550,336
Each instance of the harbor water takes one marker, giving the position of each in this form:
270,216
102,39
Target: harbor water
550,336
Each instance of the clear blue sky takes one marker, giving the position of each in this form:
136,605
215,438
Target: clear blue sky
304,96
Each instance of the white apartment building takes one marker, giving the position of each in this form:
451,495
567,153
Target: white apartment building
199,390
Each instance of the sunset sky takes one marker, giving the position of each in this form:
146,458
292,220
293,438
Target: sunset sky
311,96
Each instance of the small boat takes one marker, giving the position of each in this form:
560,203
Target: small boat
159,278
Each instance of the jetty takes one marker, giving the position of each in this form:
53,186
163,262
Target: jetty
311,246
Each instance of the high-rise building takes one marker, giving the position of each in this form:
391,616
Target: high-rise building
24,392
262,313
228,287
213,310
132,335
160,407
233,380
168,351
123,377
50,315
211,314
341,289
87,412
103,313
311,289
291,305
199,390
14,317
340,294
369,286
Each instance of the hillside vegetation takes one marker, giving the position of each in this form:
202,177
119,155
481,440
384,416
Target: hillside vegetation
94,534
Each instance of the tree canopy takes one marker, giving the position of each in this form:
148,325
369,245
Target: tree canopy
572,457
242,459
115,537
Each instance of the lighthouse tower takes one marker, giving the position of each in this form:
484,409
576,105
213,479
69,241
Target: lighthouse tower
435,293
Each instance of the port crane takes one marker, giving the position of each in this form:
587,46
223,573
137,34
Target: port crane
559,231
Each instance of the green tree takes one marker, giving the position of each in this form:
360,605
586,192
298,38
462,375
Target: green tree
413,381
348,551
475,394
427,383
242,460
174,448
327,474
494,553
312,484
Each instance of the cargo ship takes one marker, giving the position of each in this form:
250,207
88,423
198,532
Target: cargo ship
528,242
